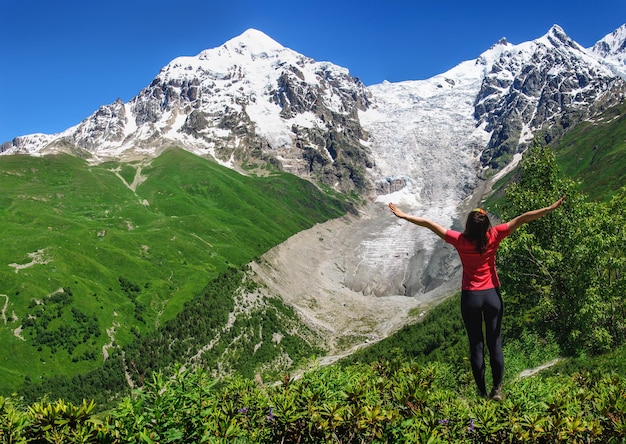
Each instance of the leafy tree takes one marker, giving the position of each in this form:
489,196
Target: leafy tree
565,272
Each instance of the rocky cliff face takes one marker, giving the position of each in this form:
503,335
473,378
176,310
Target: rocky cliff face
540,88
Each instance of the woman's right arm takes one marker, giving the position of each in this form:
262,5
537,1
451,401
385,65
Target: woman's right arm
529,216
421,221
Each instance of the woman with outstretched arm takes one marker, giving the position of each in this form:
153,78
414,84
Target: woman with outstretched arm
480,287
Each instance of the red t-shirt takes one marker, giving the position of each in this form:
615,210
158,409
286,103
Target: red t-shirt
479,270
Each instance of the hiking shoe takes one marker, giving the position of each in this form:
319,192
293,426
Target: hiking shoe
496,393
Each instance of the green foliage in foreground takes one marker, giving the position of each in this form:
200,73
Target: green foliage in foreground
386,402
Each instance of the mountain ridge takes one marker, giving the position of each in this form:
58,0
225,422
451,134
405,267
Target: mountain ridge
253,105
257,92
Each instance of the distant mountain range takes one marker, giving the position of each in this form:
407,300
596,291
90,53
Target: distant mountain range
252,102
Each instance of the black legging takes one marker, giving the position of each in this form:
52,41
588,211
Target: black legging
475,305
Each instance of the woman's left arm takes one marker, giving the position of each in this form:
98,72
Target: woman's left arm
532,215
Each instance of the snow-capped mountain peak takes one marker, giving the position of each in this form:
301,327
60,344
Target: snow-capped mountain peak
557,37
244,50
613,44
611,50
252,41
249,93
535,86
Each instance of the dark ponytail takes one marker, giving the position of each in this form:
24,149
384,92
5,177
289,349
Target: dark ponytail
476,228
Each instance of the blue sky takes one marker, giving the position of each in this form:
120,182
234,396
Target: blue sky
61,60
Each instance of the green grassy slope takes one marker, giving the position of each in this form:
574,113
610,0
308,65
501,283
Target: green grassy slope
595,153
87,260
